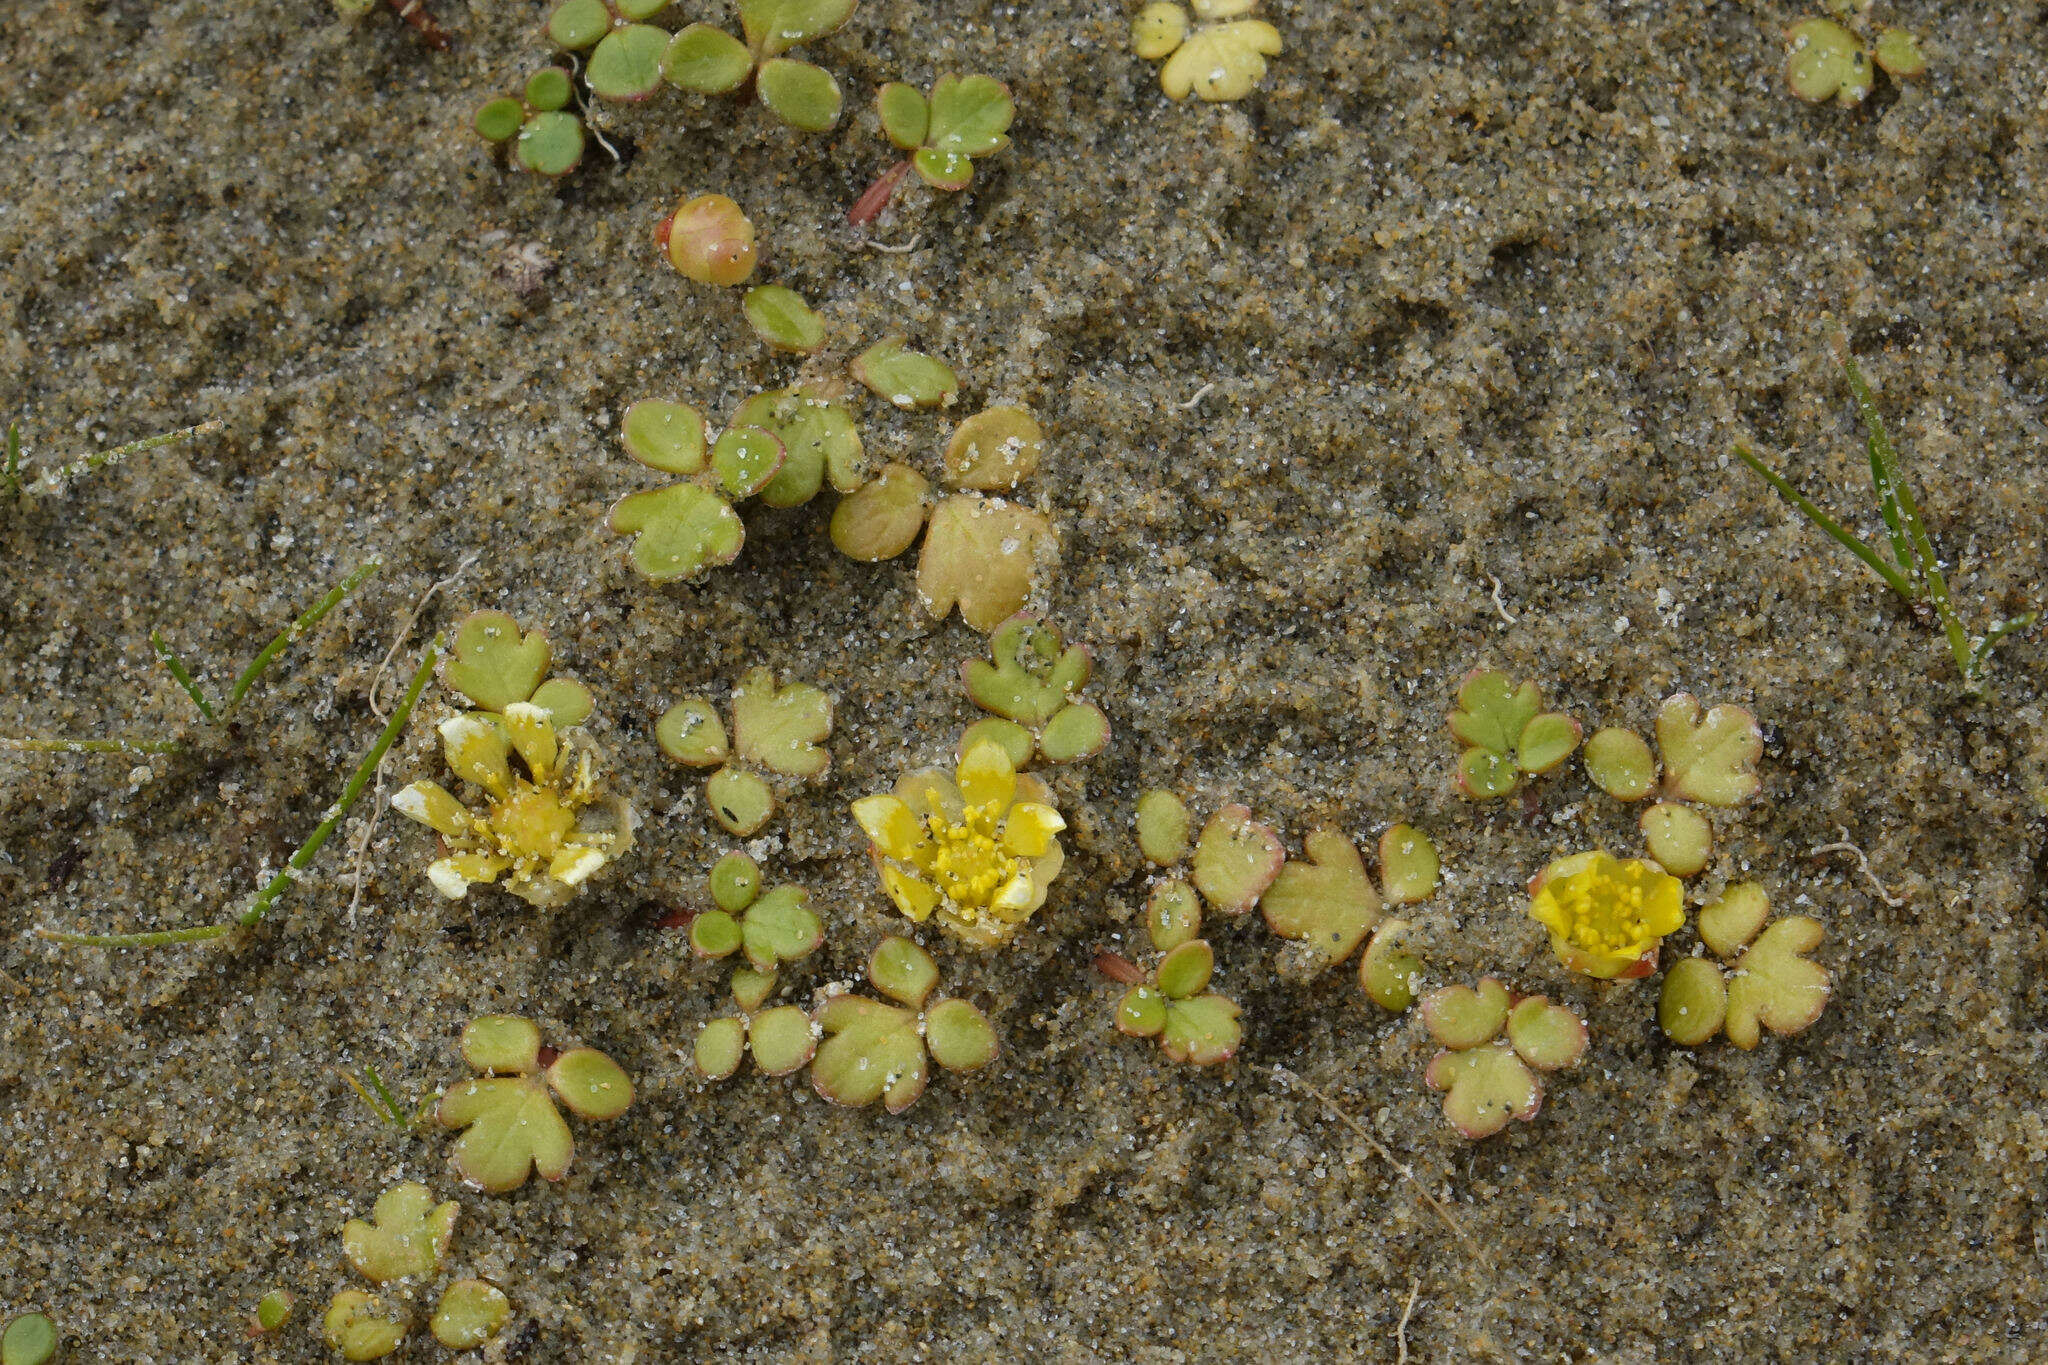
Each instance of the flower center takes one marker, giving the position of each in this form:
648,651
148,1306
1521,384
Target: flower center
1607,915
966,859
533,822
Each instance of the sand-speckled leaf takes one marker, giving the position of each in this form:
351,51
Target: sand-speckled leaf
960,1036
1388,972
781,927
1827,61
1012,738
735,882
678,531
1173,914
501,1044
970,115
1774,985
1898,52
909,379
721,1044
869,1049
1709,758
981,554
592,1085
1546,1036
576,24
1678,837
512,1128
782,1040
550,143
1728,925
1621,764
740,801
903,971
1162,827
1408,865
1487,1087
783,729
1492,711
995,450
1185,971
406,1237
360,1326
881,519
781,318
1693,1003
942,170
566,701
707,60
691,732
1327,902
664,435
1201,1031
802,95
1030,672
470,1313
1220,61
1142,1012
492,663
1462,1017
1236,859
746,460
775,26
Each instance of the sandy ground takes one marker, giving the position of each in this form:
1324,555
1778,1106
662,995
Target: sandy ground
1476,297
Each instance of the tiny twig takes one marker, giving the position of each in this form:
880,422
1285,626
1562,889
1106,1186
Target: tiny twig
93,746
1401,1327
1498,605
887,249
1842,845
876,196
275,887
1286,1077
1195,402
52,479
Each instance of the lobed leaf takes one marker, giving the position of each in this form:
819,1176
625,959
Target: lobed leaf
903,971
1711,758
1461,1017
362,1326
1326,903
1201,1031
881,519
783,728
511,1129
774,26
1487,1086
780,927
995,449
870,1051
492,664
980,554
1235,860
969,115
1774,985
1546,1036
745,460
1728,925
678,531
406,1238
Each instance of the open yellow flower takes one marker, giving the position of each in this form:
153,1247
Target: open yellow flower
543,833
1606,916
977,849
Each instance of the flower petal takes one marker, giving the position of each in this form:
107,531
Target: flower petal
431,805
890,824
533,735
574,863
913,897
987,776
1013,899
452,876
1030,828
477,750
929,793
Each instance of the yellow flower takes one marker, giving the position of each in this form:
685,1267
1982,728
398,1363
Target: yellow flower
977,849
542,833
1606,916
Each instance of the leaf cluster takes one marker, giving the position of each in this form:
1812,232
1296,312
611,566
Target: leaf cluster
1827,61
963,119
1489,1079
710,61
510,1124
1030,685
404,1243
1505,735
781,730
544,135
1709,757
882,1049
1769,983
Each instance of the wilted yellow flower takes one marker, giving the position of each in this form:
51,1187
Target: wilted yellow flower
977,849
1606,916
543,833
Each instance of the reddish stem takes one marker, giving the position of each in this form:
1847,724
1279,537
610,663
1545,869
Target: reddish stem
676,919
414,12
876,197
1119,969
548,1055
661,231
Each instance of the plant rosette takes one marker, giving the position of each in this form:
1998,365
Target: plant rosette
872,1050
775,729
1489,1079
624,51
707,60
510,1124
1031,685
1504,734
544,135
1710,758
962,120
1767,983
1221,55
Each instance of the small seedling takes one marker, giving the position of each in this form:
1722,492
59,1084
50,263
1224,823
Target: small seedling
781,1038
384,1104
977,848
1174,1004
1505,735
686,528
1221,56
783,320
905,378
1828,61
1709,758
545,828
710,240
1030,684
54,481
875,1051
774,927
512,1127
470,1313
545,136
363,1326
780,729
1328,904
713,62
1914,570
29,1339
1606,916
1771,985
625,51
273,1311
963,119
406,1238
1489,1079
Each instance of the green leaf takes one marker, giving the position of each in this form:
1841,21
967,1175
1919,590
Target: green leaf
1487,1086
803,96
943,170
576,24
1898,52
783,728
1693,1003
1728,925
707,60
500,118
1546,741
735,882
995,449
1327,903
1235,860
960,1036
690,732
272,1311
905,114
715,934
470,1313
1483,774
745,459
782,1040
1185,971
1013,739
1075,732
781,928
551,143
1492,712
1408,865
1774,985
501,1044
739,800
1678,837
1141,1013
881,519
1162,827
627,63
512,1128
1546,1036
909,379
406,1238
903,971
1460,1017
982,555
1173,914
970,115
1827,61
360,1326
680,531
549,88
1030,673
720,1045
492,663
1621,764
592,1085
664,435
1201,1031
1387,971
871,1051
750,988
640,10
1709,758
566,701
781,318
30,1339
775,26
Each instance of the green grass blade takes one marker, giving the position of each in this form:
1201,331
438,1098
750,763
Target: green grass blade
1849,540
291,633
53,479
158,939
360,779
1885,460
1888,505
170,660
392,1114
1999,630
